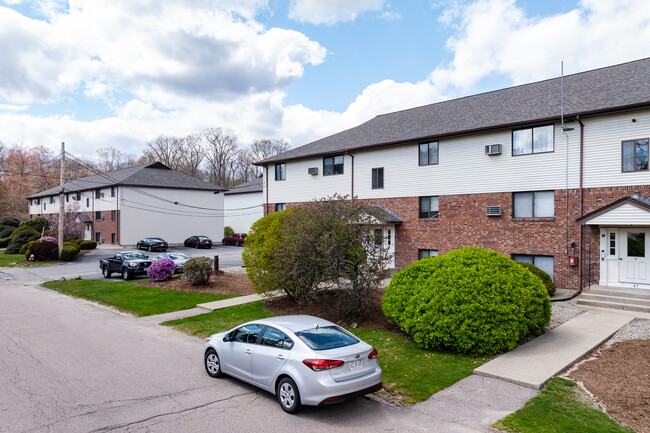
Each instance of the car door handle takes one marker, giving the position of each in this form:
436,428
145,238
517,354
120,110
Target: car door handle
248,352
280,357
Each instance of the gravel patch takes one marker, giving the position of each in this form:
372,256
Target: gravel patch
563,312
637,329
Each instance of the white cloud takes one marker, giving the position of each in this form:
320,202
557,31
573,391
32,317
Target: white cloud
331,11
497,37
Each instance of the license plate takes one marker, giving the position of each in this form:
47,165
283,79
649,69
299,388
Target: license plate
355,364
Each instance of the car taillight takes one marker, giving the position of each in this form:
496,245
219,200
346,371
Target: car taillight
322,364
372,354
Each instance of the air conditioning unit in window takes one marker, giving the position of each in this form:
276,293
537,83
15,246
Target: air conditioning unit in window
493,149
493,211
313,171
102,195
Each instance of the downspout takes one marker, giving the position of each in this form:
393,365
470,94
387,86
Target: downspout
117,217
580,211
351,176
266,204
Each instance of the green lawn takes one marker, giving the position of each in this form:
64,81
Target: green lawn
559,409
6,261
128,296
408,371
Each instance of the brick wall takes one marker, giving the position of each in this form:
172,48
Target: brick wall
106,226
462,222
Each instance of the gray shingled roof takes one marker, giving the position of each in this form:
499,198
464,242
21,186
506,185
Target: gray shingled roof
251,186
597,91
152,175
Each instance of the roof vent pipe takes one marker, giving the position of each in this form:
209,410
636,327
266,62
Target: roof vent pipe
564,127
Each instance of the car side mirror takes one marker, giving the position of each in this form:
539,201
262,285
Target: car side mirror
227,338
146,257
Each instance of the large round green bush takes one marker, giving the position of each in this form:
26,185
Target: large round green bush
22,229
9,221
197,270
39,223
4,242
88,245
546,279
69,253
21,239
469,300
6,231
227,231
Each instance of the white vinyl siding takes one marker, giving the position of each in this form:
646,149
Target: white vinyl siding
242,210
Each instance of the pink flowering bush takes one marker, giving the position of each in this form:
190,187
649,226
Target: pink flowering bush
47,239
161,270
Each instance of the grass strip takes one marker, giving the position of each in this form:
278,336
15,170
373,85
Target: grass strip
9,260
128,296
560,408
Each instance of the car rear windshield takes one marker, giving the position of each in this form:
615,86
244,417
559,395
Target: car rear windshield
327,337
204,238
157,240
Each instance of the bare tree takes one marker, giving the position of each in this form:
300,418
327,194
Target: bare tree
222,149
193,154
168,150
265,148
111,159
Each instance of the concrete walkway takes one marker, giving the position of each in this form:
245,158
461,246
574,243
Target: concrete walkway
230,302
536,362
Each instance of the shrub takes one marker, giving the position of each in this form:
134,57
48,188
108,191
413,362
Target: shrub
6,231
4,242
25,248
227,231
469,300
197,270
39,223
78,241
88,245
9,221
21,239
546,279
73,245
43,251
162,270
22,229
69,253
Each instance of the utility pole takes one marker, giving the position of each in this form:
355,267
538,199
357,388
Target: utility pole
61,203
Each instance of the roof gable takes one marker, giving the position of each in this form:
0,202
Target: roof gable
628,211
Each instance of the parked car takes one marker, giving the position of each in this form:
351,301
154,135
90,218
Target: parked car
178,258
235,239
152,244
126,263
303,360
198,242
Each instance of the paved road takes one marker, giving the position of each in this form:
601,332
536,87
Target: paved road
68,365
87,266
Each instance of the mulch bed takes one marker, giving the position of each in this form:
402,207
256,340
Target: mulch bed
619,378
227,283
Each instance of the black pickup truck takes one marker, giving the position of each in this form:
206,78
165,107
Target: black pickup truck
126,263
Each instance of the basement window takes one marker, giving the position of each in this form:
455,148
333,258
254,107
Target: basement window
545,263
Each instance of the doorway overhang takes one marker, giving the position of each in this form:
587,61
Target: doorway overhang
627,211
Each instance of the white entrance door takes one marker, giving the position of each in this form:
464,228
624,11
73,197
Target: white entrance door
633,259
88,233
612,255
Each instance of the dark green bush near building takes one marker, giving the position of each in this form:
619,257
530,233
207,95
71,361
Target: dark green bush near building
546,279
78,241
22,229
197,270
39,223
4,242
469,300
69,253
88,245
9,221
6,231
21,239
73,245
227,231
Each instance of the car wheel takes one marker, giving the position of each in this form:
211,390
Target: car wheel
212,364
106,272
197,245
126,275
149,249
288,395
223,242
236,243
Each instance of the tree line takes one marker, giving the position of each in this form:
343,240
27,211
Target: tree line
214,155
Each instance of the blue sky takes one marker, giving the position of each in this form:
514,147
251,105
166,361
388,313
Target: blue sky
97,74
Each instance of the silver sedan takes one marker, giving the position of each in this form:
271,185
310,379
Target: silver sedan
178,258
302,360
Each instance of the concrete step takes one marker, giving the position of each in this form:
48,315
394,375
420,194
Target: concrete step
628,293
613,305
618,299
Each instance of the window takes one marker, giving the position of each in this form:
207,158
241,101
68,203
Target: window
113,213
636,244
378,178
281,171
87,201
67,198
79,196
634,155
98,237
112,238
98,215
280,206
532,140
52,199
44,206
429,207
545,263
274,338
426,253
112,191
537,204
30,202
98,193
612,244
247,334
332,165
428,153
